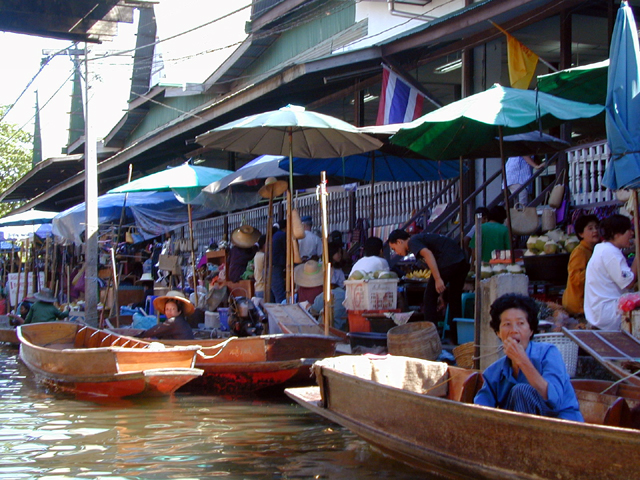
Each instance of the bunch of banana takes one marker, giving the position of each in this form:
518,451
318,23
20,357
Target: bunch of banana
424,274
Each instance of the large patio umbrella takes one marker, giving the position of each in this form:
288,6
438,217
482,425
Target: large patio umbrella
239,189
623,104
586,83
30,217
186,182
475,123
294,132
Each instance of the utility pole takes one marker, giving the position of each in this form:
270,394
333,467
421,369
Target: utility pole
91,205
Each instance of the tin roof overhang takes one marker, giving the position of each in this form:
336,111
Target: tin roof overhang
77,20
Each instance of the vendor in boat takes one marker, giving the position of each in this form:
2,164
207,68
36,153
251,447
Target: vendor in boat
532,377
448,265
175,307
608,274
586,228
23,311
43,309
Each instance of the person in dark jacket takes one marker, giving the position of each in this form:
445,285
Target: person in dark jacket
44,310
176,307
448,265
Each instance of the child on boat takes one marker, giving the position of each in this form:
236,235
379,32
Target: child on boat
532,377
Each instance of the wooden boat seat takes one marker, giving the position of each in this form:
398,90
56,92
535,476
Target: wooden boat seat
464,384
604,409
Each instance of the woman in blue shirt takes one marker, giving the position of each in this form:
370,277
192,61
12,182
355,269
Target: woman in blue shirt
532,377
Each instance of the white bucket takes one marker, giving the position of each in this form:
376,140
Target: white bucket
211,320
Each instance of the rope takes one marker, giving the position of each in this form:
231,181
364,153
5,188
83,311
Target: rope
220,346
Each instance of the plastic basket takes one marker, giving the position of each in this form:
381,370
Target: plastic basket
371,294
568,348
359,320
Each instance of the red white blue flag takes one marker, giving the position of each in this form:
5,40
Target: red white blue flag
399,101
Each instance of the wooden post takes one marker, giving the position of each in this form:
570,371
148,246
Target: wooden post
325,252
19,276
47,244
477,316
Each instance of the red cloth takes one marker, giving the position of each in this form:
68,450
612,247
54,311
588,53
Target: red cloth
309,294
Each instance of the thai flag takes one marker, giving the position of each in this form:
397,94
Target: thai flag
399,101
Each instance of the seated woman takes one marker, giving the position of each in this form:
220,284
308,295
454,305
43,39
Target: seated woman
532,377
309,280
175,306
586,228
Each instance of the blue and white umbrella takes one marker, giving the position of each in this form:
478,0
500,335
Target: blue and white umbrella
623,104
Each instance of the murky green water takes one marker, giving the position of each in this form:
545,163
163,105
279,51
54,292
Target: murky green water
53,436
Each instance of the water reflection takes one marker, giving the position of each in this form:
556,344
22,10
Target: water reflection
54,436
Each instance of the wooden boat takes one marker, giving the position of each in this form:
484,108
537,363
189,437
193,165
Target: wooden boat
83,360
617,351
416,411
294,319
8,332
240,366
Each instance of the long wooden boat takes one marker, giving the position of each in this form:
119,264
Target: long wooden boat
248,365
416,411
8,332
83,360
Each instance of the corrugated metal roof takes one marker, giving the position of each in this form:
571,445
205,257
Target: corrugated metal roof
75,20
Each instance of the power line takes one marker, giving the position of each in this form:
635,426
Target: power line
43,64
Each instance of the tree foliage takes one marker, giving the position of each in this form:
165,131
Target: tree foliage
15,157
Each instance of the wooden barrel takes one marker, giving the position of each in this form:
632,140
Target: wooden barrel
415,339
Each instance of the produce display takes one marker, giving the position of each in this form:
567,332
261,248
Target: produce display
487,270
377,275
553,242
419,275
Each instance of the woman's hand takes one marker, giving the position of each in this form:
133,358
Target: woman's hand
514,351
440,286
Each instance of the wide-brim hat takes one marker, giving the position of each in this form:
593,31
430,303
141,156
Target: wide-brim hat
146,277
174,296
273,188
309,274
45,295
246,236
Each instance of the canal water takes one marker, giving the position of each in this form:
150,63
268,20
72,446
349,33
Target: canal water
48,435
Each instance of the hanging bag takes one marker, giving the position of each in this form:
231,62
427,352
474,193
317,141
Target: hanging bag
170,263
524,220
557,193
548,219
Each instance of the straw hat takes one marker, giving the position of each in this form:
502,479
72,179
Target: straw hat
245,236
309,274
45,295
273,188
175,296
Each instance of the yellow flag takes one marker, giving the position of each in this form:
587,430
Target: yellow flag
522,61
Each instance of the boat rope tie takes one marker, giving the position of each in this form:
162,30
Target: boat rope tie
619,381
497,349
220,346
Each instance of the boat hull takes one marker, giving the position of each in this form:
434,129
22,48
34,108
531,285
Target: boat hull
86,361
250,365
9,335
459,440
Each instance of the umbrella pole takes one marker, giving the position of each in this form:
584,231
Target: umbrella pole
193,255
19,275
461,213
47,243
372,214
289,266
290,239
269,251
26,268
325,253
505,191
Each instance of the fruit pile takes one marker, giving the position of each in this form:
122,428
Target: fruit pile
421,275
377,275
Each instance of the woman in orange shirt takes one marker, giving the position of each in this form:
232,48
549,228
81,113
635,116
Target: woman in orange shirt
586,228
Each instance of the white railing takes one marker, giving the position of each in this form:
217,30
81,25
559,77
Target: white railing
586,169
394,204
